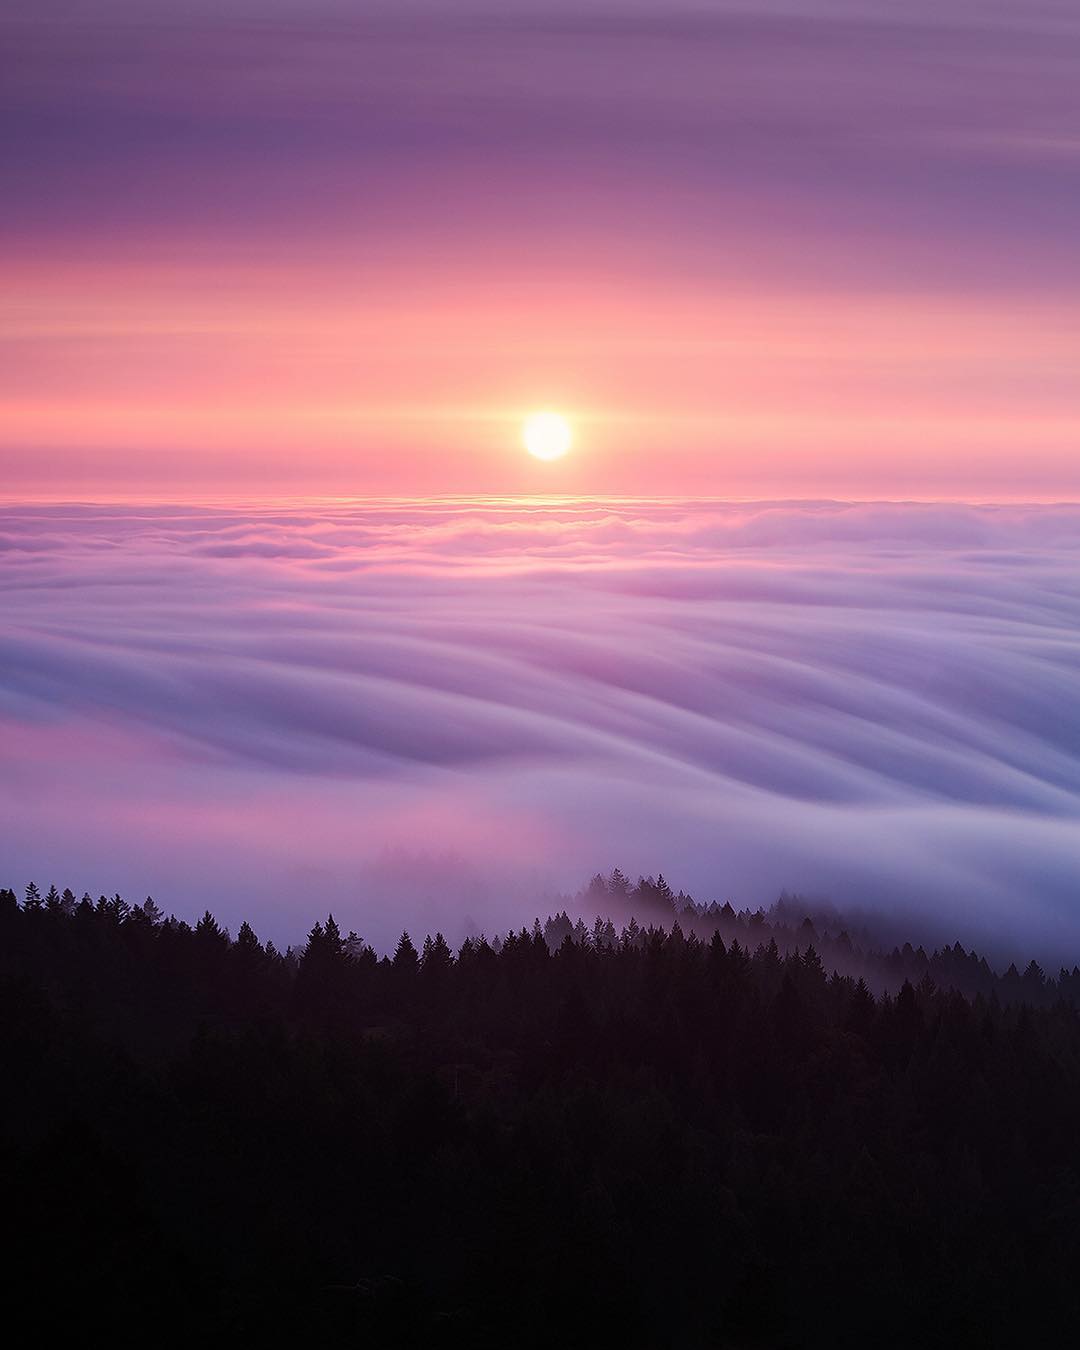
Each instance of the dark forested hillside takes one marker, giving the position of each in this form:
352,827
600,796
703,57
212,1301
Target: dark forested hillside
629,1134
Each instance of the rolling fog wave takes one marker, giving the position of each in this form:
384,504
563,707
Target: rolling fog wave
441,714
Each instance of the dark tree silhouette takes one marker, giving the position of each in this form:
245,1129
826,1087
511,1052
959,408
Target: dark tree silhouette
672,1125
406,960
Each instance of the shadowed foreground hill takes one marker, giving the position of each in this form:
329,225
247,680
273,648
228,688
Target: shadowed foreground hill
633,1139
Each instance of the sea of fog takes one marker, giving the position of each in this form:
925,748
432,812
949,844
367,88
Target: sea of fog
444,713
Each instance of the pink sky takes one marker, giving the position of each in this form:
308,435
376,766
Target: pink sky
149,376
796,250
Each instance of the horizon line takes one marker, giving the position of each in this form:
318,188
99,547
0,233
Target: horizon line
225,500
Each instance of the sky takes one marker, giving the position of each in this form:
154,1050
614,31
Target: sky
311,247
290,620
447,714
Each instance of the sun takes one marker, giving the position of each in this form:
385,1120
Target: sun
547,435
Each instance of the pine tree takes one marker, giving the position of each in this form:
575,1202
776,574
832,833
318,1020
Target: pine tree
247,942
436,954
334,943
860,1013
210,933
152,912
619,885
406,959
115,910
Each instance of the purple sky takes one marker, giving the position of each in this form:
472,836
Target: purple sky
951,124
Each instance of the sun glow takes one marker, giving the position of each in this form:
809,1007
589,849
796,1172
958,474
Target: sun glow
547,435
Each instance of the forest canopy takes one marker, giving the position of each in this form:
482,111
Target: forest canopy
675,1125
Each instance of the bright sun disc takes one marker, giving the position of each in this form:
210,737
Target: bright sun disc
547,435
